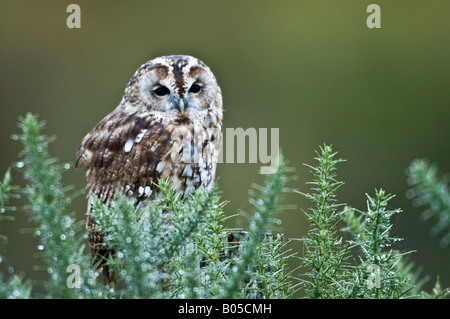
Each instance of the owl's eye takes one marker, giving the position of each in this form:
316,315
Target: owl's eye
161,91
195,88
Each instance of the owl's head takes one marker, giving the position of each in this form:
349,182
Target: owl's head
174,85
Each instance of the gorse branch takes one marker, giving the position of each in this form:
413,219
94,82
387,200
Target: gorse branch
266,201
14,287
380,262
430,190
324,253
58,232
148,240
379,270
7,192
179,247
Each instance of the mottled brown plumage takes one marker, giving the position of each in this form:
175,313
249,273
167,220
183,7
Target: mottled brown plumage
168,125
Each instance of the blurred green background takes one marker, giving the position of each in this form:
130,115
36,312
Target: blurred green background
310,68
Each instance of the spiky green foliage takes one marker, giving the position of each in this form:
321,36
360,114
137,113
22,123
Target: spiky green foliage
438,292
324,252
179,247
368,265
408,269
272,277
430,190
378,272
7,192
59,234
154,245
173,248
14,287
266,202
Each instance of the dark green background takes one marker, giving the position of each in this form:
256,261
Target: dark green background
310,68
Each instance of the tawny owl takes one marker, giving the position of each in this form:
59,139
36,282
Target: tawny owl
168,125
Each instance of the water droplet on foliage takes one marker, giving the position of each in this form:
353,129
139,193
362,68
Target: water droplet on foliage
68,222
40,247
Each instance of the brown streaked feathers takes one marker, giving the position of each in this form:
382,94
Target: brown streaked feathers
172,133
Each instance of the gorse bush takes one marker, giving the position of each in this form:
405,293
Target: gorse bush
324,254
327,256
431,191
188,252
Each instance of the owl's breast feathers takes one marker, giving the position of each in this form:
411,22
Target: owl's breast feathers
131,152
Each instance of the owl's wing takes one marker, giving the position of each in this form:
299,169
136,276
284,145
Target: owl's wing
124,150
131,152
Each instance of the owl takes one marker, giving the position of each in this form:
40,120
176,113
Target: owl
168,125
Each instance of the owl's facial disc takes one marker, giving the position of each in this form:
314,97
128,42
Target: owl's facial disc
175,84
162,93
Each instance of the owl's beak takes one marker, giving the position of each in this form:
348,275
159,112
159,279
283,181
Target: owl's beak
181,106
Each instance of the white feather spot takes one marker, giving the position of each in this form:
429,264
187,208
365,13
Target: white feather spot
140,136
128,145
87,155
160,167
187,172
141,190
204,175
147,191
